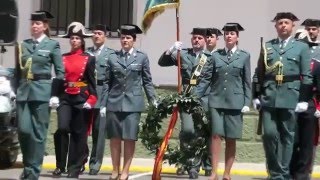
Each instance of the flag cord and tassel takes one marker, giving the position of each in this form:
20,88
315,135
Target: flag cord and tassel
174,117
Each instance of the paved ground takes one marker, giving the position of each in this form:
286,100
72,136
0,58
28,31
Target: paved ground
141,169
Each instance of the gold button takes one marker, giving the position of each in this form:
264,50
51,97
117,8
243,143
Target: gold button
224,88
226,73
225,80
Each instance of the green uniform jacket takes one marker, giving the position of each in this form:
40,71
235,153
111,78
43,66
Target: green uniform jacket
44,55
189,62
101,65
125,81
230,80
296,62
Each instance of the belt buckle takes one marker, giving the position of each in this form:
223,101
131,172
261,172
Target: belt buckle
193,81
279,79
71,84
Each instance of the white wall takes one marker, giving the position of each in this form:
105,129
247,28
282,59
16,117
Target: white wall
254,15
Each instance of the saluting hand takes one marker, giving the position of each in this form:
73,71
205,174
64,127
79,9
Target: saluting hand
301,107
176,46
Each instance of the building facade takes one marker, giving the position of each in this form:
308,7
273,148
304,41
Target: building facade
254,16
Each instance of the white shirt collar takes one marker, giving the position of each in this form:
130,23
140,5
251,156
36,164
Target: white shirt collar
285,40
233,50
99,48
40,38
130,51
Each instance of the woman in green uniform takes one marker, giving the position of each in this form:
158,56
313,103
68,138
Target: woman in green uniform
37,55
228,74
128,72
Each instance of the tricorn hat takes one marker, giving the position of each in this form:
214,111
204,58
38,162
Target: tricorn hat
303,35
285,15
232,27
48,14
311,22
201,31
76,28
130,29
38,16
101,27
215,31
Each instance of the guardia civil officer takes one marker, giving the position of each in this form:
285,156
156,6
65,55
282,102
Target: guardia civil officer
307,124
212,40
37,56
77,96
285,81
127,74
190,60
102,54
228,73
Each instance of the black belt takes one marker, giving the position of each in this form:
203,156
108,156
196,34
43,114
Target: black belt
286,78
37,77
100,82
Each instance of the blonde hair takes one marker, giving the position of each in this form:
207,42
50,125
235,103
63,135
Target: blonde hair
47,31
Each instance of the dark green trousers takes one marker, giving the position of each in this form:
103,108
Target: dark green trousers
98,141
33,121
186,134
278,139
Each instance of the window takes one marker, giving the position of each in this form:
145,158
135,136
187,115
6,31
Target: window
113,13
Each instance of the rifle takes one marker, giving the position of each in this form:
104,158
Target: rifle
258,82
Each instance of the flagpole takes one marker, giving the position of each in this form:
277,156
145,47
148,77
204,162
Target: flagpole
178,52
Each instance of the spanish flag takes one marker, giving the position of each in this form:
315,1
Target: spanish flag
154,8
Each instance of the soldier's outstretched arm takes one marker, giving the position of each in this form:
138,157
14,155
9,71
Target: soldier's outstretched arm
168,59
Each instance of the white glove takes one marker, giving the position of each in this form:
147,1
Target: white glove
103,112
176,46
245,109
317,113
155,103
301,107
54,102
256,104
86,106
12,95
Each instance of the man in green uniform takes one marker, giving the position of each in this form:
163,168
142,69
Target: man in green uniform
212,40
303,151
102,53
190,59
285,79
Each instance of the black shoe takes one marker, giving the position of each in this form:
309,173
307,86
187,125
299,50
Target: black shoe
193,174
58,172
73,175
207,172
83,168
180,171
93,172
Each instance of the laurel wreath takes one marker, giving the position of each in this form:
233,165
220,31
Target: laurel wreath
150,128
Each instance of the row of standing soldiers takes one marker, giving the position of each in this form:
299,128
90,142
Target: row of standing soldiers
282,88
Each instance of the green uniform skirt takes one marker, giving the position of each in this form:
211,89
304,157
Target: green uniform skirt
124,125
226,122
